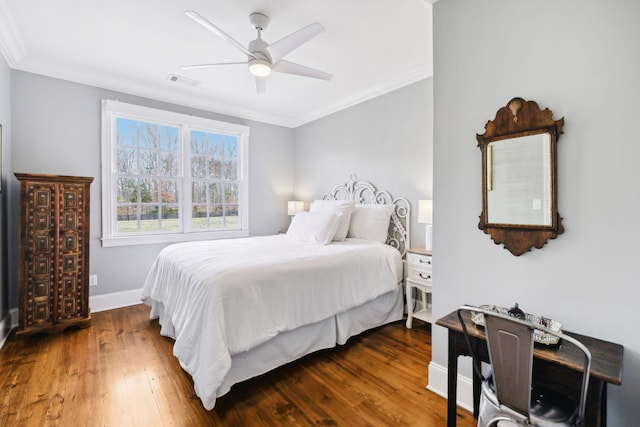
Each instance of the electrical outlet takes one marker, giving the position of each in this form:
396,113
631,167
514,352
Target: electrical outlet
93,280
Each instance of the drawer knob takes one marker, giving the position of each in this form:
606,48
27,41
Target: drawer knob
427,261
428,276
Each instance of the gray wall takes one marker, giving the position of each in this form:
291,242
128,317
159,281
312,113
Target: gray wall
581,59
56,130
5,121
387,141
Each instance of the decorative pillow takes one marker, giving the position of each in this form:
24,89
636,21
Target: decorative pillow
371,222
344,207
316,227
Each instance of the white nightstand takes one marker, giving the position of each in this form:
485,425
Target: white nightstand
419,275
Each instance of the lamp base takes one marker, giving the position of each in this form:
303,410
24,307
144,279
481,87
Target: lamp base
428,240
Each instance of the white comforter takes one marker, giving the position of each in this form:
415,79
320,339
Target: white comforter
224,297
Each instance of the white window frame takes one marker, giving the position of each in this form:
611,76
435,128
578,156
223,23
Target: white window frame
111,110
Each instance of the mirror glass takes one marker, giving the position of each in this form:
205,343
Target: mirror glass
519,180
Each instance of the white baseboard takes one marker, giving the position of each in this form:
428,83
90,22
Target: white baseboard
114,300
7,324
438,382
97,303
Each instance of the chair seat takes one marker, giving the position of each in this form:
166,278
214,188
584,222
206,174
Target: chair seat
548,407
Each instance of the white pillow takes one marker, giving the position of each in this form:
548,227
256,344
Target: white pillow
344,207
371,222
315,227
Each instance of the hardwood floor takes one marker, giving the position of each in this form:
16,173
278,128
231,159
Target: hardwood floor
121,372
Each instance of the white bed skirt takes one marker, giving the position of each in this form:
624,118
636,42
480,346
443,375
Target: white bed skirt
292,345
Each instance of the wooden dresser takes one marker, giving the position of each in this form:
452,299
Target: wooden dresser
53,275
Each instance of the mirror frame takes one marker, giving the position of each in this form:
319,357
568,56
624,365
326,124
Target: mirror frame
517,119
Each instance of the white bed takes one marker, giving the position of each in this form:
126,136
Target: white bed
238,308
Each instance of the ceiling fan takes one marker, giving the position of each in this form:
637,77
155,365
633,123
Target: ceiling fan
262,57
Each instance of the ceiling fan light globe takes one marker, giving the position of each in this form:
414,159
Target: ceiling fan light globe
259,67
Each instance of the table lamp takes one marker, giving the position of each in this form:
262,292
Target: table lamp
294,206
425,216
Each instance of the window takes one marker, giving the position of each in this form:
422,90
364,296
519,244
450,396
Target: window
171,177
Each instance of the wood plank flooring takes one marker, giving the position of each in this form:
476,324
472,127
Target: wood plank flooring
121,372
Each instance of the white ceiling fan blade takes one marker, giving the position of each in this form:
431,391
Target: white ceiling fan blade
195,66
217,31
287,67
285,45
261,84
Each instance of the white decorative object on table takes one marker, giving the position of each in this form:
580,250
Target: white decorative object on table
538,336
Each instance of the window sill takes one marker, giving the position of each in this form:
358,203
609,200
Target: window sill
108,242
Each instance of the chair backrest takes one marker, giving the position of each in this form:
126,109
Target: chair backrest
511,354
510,343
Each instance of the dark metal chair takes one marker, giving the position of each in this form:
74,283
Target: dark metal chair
507,392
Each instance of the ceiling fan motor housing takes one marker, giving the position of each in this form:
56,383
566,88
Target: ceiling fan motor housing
260,49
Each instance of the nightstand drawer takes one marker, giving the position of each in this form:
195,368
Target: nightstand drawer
419,261
419,275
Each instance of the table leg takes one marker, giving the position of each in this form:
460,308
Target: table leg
596,407
452,386
477,386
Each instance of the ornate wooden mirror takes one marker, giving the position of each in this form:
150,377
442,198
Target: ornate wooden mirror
519,190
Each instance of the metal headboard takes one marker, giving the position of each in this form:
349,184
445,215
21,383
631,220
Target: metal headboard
363,192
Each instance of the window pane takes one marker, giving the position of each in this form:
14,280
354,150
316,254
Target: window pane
215,167
169,191
198,142
198,166
216,155
147,162
127,219
149,135
231,216
199,218
231,194
231,157
199,192
170,219
168,164
169,138
216,219
126,132
126,191
126,160
216,193
149,191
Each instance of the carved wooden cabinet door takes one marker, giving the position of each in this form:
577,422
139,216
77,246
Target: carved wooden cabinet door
54,252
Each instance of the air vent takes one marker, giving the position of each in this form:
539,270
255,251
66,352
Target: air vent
184,80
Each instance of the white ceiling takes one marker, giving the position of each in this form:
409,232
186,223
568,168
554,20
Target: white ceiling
370,46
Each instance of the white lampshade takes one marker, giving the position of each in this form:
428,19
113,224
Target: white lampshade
425,211
294,206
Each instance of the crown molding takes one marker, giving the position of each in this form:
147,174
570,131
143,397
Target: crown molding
397,81
11,46
105,81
